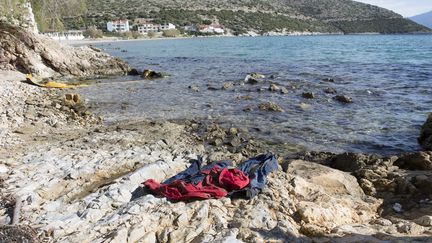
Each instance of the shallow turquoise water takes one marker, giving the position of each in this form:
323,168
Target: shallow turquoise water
389,78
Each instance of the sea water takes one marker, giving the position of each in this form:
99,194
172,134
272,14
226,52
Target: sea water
389,78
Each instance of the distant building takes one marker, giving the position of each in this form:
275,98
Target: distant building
211,29
67,35
145,26
118,26
191,28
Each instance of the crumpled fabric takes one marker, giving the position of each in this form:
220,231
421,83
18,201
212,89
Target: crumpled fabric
216,180
217,183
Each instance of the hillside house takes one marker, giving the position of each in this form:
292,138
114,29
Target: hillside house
118,26
145,26
211,29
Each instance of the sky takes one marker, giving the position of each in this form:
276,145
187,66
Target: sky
407,8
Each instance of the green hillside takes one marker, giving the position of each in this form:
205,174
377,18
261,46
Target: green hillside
260,16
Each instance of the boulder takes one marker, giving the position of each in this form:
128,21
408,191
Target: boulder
308,95
415,161
425,138
150,74
348,162
254,78
274,88
343,99
329,198
31,53
270,106
330,91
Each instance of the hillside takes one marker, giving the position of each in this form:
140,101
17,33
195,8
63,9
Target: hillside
423,19
260,16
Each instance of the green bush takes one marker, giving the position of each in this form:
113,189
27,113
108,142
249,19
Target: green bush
171,33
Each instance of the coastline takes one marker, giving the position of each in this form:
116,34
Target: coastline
87,174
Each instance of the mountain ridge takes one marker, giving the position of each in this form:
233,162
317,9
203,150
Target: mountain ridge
423,19
241,16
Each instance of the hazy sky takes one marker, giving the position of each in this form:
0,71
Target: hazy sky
407,8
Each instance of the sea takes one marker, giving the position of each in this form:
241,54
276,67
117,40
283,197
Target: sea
388,77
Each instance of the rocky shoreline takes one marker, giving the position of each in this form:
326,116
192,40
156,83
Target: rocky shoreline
67,177
77,173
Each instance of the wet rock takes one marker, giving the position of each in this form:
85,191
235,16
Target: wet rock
284,90
328,80
415,161
194,88
133,72
274,88
348,162
270,106
254,78
330,91
249,108
308,95
425,138
343,99
227,85
244,97
425,221
304,106
150,74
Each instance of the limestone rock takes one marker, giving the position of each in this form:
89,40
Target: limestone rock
425,138
329,197
31,53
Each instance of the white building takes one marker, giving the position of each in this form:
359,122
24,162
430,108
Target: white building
145,26
67,35
212,29
118,26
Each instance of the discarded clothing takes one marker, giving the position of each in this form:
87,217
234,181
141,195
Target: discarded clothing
257,169
216,180
217,183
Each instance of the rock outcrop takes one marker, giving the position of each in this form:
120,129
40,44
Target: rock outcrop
31,53
425,138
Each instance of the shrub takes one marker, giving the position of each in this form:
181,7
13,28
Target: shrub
171,33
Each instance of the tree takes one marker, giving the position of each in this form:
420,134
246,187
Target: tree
151,35
49,14
93,32
171,33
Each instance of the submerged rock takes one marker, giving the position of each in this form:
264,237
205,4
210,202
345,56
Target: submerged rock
194,88
274,88
254,78
31,53
150,74
425,138
134,72
227,85
343,99
270,106
328,80
308,95
330,91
